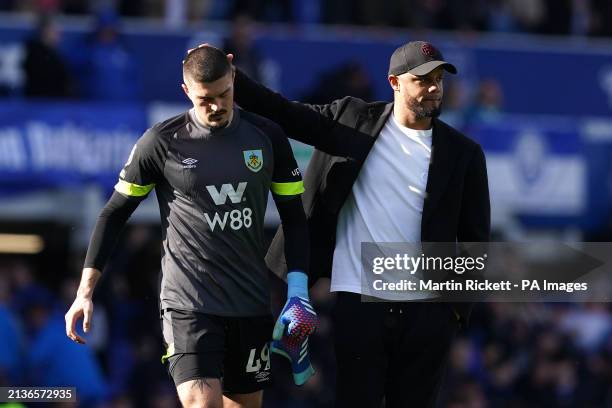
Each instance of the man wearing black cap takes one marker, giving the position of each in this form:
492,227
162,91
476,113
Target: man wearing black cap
384,172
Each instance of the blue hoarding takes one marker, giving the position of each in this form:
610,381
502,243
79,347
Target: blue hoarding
65,144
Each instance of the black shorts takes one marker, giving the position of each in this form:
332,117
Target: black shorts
233,349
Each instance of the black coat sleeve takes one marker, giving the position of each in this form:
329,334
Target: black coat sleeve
474,220
314,125
475,216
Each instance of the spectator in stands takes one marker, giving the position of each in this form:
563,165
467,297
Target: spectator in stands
75,7
589,326
52,359
529,14
7,5
487,102
24,284
110,69
11,340
37,6
264,10
46,73
455,103
558,19
500,17
601,15
240,43
134,8
349,78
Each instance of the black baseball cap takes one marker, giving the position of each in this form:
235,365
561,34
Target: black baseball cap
418,58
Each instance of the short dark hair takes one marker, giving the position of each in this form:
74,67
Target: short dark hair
206,64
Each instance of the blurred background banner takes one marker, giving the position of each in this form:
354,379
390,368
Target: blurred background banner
537,165
65,145
545,169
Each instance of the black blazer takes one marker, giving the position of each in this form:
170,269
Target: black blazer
456,206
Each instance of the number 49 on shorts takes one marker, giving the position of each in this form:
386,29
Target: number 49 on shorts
255,361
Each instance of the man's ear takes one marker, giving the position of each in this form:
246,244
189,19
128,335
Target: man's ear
185,89
394,82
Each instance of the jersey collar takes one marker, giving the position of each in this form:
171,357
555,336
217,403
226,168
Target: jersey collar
200,130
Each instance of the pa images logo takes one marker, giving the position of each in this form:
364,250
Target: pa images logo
253,159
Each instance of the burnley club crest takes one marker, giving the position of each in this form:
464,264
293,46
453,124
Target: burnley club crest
253,160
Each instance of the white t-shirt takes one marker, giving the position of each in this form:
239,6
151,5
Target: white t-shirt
386,202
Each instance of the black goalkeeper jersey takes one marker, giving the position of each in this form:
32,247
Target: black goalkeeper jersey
212,187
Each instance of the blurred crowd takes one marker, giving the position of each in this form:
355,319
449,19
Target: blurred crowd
511,355
562,17
533,355
120,365
104,69
100,68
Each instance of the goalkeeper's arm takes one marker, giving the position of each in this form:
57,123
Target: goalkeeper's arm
298,319
110,223
293,220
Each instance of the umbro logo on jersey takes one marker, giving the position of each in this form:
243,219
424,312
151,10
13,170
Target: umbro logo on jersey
189,163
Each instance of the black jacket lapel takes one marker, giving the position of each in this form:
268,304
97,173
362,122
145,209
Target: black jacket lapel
375,118
367,125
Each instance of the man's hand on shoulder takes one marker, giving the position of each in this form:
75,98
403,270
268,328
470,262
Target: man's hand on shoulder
230,57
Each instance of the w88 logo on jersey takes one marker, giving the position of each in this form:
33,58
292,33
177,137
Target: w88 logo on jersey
235,219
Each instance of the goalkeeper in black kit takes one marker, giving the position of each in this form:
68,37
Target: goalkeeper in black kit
212,168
